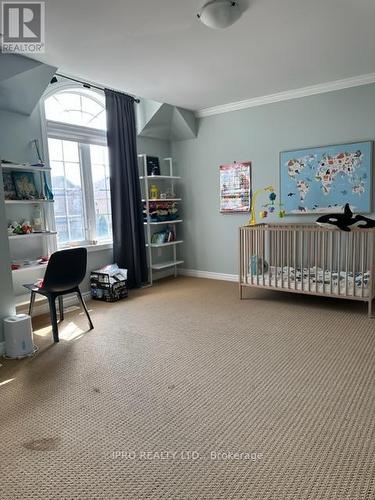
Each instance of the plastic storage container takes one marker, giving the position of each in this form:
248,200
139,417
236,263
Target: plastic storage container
18,335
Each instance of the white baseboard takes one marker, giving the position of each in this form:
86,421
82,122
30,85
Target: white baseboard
194,273
41,307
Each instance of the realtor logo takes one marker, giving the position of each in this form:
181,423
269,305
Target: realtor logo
23,27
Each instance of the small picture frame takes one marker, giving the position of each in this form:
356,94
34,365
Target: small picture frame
9,188
24,184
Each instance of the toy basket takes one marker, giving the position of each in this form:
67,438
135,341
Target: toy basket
109,284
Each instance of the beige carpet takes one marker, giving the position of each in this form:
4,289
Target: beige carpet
186,367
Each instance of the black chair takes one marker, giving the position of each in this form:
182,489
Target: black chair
65,271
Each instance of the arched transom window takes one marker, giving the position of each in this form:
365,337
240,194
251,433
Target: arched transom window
81,107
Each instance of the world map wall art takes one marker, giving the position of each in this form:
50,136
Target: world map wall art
324,179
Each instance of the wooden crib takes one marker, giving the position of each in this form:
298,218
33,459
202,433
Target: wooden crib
310,259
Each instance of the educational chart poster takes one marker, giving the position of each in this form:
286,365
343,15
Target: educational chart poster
324,179
235,187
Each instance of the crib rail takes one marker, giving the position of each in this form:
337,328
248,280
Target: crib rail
307,258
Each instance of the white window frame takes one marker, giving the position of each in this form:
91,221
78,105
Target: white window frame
84,136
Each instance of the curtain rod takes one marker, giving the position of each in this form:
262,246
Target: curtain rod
90,85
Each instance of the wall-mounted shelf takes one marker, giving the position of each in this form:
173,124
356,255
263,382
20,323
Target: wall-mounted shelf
161,245
161,199
27,202
163,222
30,268
160,177
31,235
146,180
25,168
165,265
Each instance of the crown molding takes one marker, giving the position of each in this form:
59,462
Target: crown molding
320,88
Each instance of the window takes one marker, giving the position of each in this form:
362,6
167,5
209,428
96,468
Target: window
81,107
78,158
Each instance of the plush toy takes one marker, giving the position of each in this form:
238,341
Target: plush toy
12,228
18,228
346,220
26,227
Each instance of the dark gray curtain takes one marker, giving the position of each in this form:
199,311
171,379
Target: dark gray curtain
127,217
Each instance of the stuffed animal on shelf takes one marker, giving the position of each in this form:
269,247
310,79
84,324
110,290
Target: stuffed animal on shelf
346,220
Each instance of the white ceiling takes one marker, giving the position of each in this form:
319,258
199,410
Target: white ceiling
158,49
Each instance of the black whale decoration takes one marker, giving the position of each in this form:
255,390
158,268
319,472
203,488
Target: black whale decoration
346,220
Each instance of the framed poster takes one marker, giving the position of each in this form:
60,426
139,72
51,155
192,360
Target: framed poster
235,187
324,179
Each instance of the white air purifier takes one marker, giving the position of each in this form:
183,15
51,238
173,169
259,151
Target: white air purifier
18,335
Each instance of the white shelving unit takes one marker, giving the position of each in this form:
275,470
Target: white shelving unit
145,179
46,243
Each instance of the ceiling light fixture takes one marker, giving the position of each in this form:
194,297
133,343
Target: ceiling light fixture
219,14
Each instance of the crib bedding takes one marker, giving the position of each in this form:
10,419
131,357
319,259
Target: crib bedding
314,280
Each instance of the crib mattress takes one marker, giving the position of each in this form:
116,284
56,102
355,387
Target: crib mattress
314,281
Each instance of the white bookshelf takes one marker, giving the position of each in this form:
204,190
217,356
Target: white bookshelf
153,263
22,246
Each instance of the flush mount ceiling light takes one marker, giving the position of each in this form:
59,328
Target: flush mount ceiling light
219,14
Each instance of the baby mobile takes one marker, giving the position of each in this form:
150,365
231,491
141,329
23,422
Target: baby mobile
268,208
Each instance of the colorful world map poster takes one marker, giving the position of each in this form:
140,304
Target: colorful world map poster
324,179
235,187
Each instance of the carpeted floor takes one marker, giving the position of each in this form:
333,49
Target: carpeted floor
185,392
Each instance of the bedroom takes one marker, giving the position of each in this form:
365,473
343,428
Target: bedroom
132,117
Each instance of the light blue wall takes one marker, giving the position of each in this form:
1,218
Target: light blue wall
154,147
17,132
257,134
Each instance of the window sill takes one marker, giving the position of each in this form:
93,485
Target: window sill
108,245
99,246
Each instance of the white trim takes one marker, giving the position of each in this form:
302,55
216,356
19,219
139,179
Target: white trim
194,273
99,247
42,307
76,133
90,247
320,88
